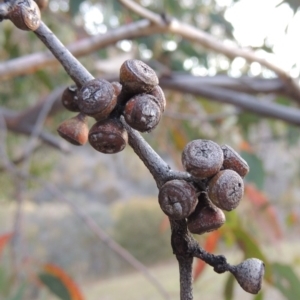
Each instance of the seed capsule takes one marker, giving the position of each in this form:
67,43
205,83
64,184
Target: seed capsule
25,15
249,274
137,77
159,95
177,199
226,189
97,98
42,4
74,130
202,158
142,112
117,87
108,136
69,98
233,161
206,217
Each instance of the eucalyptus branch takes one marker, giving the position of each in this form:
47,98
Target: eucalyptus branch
23,122
33,62
208,41
159,169
241,100
72,66
185,247
186,278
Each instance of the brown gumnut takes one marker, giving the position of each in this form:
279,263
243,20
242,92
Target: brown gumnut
108,136
142,112
206,217
136,77
42,4
249,274
25,14
158,93
202,158
97,98
233,161
74,130
117,87
177,199
69,98
226,189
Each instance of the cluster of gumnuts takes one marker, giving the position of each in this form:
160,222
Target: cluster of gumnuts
137,97
217,171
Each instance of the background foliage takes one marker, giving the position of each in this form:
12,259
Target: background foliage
106,187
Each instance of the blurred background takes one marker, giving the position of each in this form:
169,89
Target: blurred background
77,224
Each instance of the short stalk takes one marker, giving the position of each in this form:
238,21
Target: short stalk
159,169
186,279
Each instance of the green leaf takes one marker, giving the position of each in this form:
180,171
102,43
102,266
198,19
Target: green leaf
55,285
259,296
246,120
228,289
286,281
3,279
20,293
257,173
283,101
74,6
45,78
292,135
251,249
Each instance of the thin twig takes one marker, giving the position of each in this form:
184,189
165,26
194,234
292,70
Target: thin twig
200,118
208,41
22,157
157,24
33,62
104,237
23,122
17,242
159,169
69,62
241,100
37,130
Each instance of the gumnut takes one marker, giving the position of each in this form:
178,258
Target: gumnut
117,87
206,217
108,136
97,98
177,199
226,189
159,95
137,77
249,274
75,130
202,158
25,14
42,4
233,161
142,112
69,98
